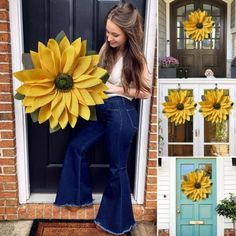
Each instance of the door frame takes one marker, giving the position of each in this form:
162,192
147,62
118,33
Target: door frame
172,200
17,48
228,33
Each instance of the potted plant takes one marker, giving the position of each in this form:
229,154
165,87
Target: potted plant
233,68
167,68
227,208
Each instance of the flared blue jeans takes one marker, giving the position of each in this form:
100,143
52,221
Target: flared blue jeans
117,121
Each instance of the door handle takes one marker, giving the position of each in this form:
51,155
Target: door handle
196,222
178,210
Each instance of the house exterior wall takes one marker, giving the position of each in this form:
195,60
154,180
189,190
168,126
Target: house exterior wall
162,29
10,209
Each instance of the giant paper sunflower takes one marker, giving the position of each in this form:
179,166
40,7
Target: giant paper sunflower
196,185
62,84
215,106
199,25
179,107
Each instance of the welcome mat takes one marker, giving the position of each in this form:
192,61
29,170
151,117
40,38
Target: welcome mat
42,227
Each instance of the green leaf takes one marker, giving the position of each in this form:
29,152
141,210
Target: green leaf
27,61
19,96
89,53
105,78
60,36
58,127
93,114
34,116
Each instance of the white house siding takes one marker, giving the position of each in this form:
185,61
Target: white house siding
229,183
163,196
162,29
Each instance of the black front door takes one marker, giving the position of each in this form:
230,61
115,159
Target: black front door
44,19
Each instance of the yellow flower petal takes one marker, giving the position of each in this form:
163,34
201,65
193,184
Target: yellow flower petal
82,66
65,43
67,60
74,106
23,89
84,112
88,83
77,45
39,90
53,122
47,59
97,98
83,48
35,59
31,76
58,105
98,72
72,120
79,96
63,120
87,97
44,113
53,45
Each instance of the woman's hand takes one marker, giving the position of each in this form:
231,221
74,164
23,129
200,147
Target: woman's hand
132,92
113,88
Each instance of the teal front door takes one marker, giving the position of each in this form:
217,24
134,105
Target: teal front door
196,197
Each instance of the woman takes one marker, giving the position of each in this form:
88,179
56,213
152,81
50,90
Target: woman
117,121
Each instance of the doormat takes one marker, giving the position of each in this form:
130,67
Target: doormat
43,227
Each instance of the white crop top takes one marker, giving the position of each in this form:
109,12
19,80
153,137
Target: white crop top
115,78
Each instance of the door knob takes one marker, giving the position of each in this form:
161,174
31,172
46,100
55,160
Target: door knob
178,210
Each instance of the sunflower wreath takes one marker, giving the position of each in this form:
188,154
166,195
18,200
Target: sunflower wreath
215,106
196,185
199,25
61,82
179,107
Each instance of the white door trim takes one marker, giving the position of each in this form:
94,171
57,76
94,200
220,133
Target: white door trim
16,25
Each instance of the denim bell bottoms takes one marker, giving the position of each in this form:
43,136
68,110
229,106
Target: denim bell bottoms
117,121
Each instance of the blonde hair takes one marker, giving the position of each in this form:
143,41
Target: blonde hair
129,20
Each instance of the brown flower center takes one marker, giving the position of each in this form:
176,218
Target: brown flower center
217,106
197,185
199,25
180,106
64,82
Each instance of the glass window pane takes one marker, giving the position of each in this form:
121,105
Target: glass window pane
190,44
185,169
180,43
216,132
217,44
207,7
189,8
180,20
207,167
180,150
206,44
180,133
216,150
215,11
180,33
217,32
181,11
216,19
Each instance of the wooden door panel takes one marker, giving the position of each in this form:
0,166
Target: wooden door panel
44,19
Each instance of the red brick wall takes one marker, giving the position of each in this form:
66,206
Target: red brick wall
10,209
